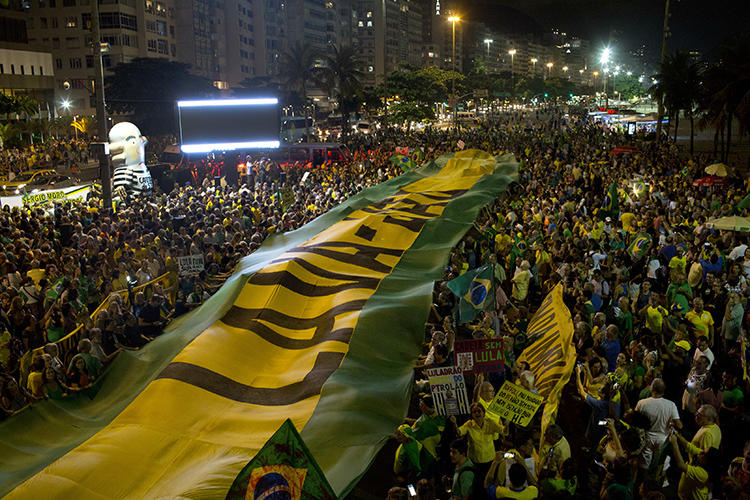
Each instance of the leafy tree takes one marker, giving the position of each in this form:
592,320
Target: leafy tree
149,87
726,92
342,79
678,85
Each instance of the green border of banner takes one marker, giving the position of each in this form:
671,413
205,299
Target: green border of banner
349,427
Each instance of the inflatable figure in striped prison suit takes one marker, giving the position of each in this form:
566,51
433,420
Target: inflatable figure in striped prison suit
127,146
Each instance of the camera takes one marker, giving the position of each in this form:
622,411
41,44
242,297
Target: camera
508,455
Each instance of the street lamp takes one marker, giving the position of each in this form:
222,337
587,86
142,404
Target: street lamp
533,61
454,20
512,53
549,69
565,70
488,41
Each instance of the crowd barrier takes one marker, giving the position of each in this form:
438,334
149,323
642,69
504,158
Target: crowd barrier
68,345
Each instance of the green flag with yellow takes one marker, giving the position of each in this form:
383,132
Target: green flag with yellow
283,468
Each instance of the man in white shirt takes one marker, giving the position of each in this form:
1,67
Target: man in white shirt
704,350
663,415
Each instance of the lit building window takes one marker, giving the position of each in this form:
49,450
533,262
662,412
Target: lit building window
369,14
369,24
370,69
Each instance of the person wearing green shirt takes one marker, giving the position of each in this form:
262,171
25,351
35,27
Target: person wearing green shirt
679,294
406,464
463,478
427,430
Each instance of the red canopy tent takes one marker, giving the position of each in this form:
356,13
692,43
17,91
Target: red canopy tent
624,150
711,180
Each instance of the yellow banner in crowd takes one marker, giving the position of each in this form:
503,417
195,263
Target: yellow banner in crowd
192,429
552,356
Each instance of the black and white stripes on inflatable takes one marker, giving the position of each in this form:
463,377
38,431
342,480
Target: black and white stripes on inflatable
127,146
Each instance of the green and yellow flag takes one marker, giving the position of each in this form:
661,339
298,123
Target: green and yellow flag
403,161
611,203
474,288
552,355
283,468
320,326
639,246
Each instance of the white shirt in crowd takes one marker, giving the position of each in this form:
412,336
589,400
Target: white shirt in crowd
660,412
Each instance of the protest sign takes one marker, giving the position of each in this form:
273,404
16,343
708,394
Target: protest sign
514,403
287,197
448,390
486,355
461,144
190,264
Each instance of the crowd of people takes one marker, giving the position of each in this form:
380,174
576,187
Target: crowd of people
655,407
64,154
60,262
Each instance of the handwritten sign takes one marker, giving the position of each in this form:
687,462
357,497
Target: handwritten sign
514,403
448,390
287,197
486,355
191,264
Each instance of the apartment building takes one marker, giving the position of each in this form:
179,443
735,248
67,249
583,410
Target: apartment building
130,28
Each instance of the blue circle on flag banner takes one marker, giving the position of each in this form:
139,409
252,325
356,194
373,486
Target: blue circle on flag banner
478,292
272,486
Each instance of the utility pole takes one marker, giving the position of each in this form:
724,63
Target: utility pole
101,113
665,35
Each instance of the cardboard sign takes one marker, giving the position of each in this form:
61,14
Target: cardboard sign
190,264
486,355
448,390
461,144
287,198
514,403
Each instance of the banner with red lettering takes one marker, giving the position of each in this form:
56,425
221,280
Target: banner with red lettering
480,355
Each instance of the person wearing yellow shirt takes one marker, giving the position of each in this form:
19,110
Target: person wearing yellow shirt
703,322
628,222
481,433
708,436
695,479
679,261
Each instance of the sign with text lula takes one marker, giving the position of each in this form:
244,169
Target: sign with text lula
480,355
191,264
514,403
448,390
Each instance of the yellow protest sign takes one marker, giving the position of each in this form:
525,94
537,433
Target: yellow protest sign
551,357
514,403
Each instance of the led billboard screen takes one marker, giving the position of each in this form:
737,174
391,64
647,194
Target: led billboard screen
228,124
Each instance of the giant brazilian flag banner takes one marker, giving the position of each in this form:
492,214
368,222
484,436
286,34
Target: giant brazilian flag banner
321,325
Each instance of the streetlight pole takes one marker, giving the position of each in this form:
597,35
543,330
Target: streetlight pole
512,53
488,41
533,61
660,102
453,20
549,69
101,112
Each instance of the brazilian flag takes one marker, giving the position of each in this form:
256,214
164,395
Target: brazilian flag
639,246
685,171
283,468
475,290
611,204
417,156
403,161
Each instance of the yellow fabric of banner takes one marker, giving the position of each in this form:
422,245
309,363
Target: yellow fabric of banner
552,356
213,407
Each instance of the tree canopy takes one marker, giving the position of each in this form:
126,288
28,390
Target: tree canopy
149,87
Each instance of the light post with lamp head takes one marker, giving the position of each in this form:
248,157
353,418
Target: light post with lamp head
488,41
549,69
512,53
454,20
533,61
605,60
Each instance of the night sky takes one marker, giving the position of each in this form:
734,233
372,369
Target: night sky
695,24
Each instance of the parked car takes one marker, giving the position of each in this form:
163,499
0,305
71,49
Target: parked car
21,180
55,181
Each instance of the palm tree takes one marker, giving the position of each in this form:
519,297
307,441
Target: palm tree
678,85
727,92
299,63
341,77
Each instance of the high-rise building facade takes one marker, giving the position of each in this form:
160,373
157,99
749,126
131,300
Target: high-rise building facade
130,28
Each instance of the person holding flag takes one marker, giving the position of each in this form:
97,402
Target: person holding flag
475,290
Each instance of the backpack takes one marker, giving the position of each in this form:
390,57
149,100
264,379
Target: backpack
477,487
